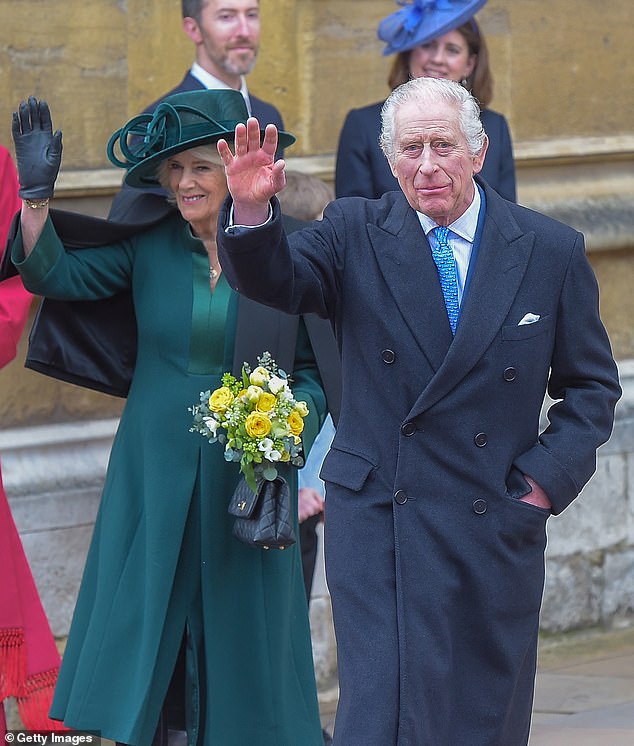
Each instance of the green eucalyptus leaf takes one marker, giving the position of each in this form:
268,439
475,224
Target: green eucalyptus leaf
269,473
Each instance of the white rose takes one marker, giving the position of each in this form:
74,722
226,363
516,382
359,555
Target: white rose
265,444
211,423
253,393
259,376
270,453
276,384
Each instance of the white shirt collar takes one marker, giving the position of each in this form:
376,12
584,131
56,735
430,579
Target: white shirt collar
211,82
465,226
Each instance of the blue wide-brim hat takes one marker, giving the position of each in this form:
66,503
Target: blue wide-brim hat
180,122
421,21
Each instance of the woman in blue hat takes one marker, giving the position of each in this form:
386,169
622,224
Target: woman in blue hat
178,625
437,39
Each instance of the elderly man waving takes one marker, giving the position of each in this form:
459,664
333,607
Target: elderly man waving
455,313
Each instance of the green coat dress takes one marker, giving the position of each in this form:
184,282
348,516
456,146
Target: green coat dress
162,560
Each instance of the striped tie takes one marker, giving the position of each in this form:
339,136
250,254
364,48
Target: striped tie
445,262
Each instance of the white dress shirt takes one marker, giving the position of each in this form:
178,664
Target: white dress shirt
212,83
460,239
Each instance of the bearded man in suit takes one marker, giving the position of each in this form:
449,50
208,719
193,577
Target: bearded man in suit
440,479
226,37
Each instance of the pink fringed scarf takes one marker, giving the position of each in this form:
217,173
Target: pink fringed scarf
29,660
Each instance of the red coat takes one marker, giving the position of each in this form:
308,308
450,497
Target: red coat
14,299
29,660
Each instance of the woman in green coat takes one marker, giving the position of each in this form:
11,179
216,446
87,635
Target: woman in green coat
177,623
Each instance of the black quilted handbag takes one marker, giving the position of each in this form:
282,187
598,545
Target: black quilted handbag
263,518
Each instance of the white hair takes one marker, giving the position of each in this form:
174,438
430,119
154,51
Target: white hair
422,90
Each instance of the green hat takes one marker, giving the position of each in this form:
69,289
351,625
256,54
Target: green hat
182,121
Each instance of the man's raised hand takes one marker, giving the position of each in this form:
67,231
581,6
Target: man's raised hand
253,174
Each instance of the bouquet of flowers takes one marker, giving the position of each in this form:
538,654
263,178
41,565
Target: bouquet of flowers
257,418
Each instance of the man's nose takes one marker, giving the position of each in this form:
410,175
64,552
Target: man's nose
427,162
244,27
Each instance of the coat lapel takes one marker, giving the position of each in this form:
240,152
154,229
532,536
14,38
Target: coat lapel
405,261
501,265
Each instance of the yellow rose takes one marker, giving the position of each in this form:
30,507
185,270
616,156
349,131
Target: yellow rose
220,399
266,402
257,425
302,408
295,422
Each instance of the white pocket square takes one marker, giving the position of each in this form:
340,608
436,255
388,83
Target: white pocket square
530,318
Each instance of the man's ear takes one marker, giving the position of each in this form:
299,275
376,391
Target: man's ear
478,160
392,165
191,28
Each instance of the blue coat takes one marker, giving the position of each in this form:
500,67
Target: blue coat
436,569
363,171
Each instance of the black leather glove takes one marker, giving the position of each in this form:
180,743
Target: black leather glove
38,151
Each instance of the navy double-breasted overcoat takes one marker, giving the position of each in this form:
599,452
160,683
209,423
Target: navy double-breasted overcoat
435,567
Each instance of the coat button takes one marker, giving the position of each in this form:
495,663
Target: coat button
510,373
409,428
480,440
388,356
480,506
400,496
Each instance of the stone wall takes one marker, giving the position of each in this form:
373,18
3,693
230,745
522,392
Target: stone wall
558,66
590,554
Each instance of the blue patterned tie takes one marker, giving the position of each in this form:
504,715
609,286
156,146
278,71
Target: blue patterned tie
445,262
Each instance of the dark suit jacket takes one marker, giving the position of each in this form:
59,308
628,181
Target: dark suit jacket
435,567
264,112
363,171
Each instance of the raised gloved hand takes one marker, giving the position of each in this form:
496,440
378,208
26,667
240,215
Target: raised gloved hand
38,151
